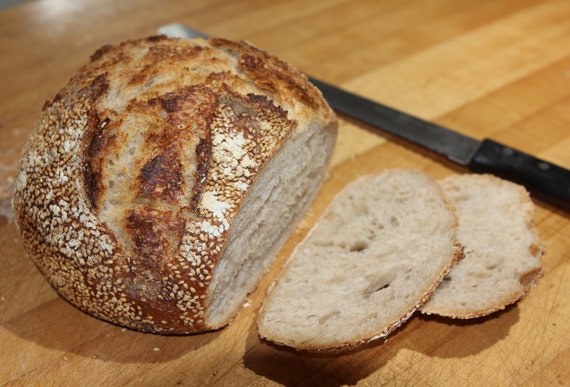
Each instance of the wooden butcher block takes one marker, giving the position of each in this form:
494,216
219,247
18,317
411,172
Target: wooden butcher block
489,69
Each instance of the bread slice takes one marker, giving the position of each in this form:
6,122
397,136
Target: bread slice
372,259
502,250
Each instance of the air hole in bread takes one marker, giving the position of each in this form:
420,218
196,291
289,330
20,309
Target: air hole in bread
378,226
377,286
445,282
394,221
358,246
328,316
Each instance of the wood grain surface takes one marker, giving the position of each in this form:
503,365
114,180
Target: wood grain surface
487,68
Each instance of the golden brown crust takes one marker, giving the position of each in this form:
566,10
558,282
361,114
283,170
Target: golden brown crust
129,185
276,77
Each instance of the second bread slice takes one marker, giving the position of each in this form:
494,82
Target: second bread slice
374,257
502,250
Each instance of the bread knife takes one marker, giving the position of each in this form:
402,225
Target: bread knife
544,180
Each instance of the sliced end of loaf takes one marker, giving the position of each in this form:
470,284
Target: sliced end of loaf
502,249
374,257
277,201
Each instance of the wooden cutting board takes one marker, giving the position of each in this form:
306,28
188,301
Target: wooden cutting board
498,69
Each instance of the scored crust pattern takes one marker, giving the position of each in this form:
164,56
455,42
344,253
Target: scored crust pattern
129,185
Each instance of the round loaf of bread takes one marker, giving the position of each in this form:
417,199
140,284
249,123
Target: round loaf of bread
162,180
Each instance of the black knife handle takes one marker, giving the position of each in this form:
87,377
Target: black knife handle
544,180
